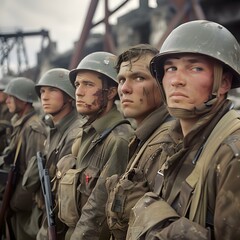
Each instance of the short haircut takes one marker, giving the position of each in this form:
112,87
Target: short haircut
137,52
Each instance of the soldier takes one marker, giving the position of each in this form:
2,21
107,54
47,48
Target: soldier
140,99
197,190
102,147
58,104
5,115
27,138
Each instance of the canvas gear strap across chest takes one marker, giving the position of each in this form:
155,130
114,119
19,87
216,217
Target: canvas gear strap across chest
19,139
163,128
105,133
198,178
195,187
69,194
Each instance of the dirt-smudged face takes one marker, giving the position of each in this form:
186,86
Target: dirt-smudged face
138,90
89,94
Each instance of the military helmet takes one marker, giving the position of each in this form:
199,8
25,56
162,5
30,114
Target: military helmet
58,78
201,37
4,81
101,62
22,88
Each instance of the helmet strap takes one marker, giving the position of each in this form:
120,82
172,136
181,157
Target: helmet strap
217,74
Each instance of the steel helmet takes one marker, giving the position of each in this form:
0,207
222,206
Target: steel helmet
22,88
58,78
201,37
101,62
4,82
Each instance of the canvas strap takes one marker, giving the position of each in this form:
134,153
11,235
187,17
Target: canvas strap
197,179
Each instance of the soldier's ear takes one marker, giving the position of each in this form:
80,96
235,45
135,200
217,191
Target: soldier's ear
112,92
226,83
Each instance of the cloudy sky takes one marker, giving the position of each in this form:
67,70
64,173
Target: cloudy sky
63,19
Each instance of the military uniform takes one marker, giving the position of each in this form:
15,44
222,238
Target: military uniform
96,216
196,191
180,164
27,138
58,144
32,133
62,127
99,160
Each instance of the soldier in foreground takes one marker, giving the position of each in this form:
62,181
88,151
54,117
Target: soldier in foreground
197,190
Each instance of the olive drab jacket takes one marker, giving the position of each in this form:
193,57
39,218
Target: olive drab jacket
93,216
99,157
60,138
222,193
125,191
28,136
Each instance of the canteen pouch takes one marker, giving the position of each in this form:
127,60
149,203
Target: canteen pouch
68,197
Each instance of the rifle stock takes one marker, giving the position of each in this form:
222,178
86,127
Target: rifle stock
47,193
7,195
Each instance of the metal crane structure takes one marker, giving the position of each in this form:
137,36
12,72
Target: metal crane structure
222,11
15,40
185,8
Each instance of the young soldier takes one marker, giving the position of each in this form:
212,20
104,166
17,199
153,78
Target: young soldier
103,141
27,138
141,100
58,104
198,186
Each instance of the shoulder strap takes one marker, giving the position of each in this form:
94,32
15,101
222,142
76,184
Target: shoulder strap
19,144
197,179
101,137
17,150
163,128
107,131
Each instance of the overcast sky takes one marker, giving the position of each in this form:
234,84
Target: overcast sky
63,19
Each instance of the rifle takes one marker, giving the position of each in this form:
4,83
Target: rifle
7,195
46,189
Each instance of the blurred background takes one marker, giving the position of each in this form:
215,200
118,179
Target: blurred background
38,35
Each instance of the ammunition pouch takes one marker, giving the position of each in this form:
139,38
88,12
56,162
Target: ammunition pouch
148,213
123,194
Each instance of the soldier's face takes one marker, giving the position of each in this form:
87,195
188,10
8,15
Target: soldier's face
52,99
89,94
138,90
188,80
15,105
